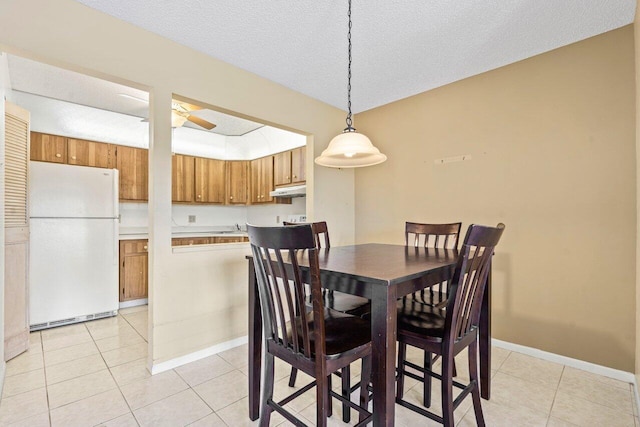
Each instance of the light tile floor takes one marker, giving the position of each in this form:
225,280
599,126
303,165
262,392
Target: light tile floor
94,374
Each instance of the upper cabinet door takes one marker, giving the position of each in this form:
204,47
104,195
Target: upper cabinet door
299,165
210,180
48,148
90,153
282,168
182,178
238,182
133,164
266,179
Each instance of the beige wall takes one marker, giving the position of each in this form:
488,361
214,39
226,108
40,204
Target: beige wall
552,141
190,308
636,33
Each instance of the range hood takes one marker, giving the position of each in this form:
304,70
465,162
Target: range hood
293,191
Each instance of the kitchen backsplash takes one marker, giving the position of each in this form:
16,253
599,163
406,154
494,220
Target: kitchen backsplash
136,214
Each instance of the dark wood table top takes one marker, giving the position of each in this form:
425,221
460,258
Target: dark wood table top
382,263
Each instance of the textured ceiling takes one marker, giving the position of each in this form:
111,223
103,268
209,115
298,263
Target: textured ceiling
400,47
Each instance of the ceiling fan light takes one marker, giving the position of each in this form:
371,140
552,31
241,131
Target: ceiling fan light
350,150
177,120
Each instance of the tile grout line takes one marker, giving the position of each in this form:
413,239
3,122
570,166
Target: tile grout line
114,379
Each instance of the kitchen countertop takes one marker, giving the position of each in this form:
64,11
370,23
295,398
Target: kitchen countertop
134,233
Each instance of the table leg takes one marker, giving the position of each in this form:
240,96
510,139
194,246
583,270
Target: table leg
383,337
485,341
255,345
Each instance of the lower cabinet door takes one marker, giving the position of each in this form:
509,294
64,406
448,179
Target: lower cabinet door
134,266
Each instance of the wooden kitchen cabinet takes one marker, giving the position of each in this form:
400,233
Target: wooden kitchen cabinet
282,169
210,180
261,180
289,167
188,241
90,153
48,148
299,165
182,178
133,165
134,266
237,182
229,239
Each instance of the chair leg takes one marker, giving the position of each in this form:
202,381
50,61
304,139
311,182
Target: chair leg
323,400
402,354
330,401
473,376
292,377
447,390
426,380
267,391
365,378
346,387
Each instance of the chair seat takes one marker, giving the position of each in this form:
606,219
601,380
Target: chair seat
421,319
347,303
343,332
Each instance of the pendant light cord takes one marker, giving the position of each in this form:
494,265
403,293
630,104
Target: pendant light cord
349,119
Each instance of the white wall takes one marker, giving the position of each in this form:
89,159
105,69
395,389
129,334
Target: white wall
274,214
137,214
4,90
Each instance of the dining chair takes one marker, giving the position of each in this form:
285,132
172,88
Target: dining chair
338,301
437,236
319,341
448,331
433,236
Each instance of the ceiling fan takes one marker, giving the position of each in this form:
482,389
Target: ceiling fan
180,113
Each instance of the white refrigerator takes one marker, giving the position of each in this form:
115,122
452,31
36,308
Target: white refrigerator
73,261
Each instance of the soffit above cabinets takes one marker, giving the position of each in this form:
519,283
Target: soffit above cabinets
67,103
36,78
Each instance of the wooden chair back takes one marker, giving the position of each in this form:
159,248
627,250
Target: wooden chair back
320,229
281,287
432,235
469,280
444,236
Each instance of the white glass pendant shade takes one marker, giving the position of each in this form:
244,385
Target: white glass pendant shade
350,150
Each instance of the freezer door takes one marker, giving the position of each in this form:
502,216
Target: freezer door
73,268
67,191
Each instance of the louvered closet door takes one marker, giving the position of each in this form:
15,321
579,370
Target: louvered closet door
16,228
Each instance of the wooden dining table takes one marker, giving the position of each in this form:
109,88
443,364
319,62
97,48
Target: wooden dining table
382,273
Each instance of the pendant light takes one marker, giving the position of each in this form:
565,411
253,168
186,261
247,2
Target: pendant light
350,149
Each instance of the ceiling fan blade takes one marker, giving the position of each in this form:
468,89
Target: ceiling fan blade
201,122
187,106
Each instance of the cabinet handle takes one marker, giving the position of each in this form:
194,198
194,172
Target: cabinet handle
286,177
73,157
58,155
199,196
230,197
294,176
145,247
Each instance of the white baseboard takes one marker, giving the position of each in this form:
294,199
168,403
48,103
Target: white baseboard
134,303
569,361
201,354
3,370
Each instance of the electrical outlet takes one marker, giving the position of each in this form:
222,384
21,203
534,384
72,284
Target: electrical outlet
192,219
